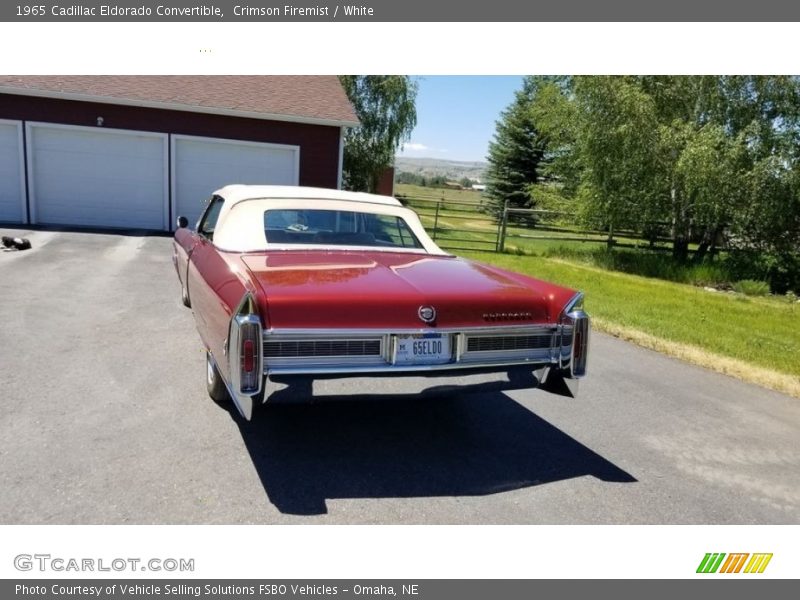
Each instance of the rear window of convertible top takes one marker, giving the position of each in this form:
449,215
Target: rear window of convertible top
337,228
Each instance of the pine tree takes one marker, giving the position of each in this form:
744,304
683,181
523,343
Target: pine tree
516,154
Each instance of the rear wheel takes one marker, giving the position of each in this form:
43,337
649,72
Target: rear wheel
185,297
214,383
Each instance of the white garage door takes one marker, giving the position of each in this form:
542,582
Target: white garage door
202,165
97,177
12,191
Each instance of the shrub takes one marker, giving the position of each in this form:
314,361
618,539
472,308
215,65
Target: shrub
782,271
751,287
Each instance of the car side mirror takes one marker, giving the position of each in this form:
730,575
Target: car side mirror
182,222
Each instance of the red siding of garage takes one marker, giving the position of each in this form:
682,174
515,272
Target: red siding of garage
319,144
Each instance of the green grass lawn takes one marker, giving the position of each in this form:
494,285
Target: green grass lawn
760,331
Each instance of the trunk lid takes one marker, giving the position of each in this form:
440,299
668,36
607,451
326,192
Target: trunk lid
323,289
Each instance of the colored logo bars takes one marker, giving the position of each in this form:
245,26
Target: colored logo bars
733,563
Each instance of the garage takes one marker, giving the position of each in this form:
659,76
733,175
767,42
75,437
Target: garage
12,190
201,165
96,177
135,152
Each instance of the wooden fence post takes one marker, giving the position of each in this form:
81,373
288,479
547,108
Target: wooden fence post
436,219
501,242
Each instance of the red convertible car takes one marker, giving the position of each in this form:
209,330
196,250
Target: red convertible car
292,284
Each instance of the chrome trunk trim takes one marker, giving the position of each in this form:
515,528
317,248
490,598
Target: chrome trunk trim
355,331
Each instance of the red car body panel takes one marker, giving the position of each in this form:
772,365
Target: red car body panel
384,290
216,286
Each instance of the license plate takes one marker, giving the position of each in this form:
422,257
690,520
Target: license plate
423,349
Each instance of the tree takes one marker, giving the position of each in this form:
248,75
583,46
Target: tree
385,106
516,152
718,132
602,149
710,155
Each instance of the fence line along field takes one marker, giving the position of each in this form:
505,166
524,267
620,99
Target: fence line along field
466,220
456,217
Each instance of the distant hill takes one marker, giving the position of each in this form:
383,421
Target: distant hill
453,170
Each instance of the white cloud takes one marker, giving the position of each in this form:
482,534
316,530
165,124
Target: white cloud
417,150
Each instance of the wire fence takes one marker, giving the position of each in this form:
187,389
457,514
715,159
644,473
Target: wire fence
458,224
559,226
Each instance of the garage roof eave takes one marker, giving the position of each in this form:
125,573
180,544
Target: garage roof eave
213,110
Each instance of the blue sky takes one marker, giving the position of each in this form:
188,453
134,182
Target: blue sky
456,115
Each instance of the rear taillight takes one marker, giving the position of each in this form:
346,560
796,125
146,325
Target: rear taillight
574,338
250,355
580,343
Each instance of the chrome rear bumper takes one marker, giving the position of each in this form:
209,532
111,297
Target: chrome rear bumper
289,387
505,358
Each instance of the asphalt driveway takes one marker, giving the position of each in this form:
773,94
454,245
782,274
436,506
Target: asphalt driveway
105,419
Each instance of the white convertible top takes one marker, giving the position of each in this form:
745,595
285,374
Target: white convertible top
237,193
240,225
